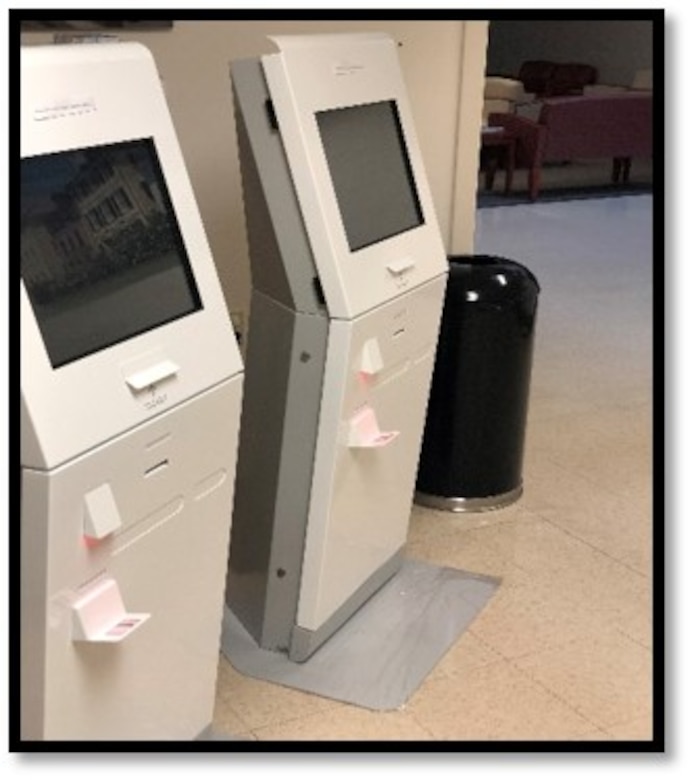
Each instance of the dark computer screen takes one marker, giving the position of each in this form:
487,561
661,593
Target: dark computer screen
102,257
370,170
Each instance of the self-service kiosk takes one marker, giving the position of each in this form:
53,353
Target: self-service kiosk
348,274
131,391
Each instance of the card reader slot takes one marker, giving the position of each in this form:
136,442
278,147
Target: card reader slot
156,468
401,265
145,378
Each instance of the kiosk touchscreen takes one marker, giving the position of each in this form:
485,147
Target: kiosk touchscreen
349,274
131,390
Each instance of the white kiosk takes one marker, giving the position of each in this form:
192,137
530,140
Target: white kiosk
349,274
131,391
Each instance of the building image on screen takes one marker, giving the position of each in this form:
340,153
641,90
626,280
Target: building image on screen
102,257
370,170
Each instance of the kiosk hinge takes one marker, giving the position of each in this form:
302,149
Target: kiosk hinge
271,114
319,292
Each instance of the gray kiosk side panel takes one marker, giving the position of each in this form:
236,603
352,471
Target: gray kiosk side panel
281,259
284,366
286,353
34,575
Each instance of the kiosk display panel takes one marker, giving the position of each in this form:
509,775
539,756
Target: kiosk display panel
371,173
102,257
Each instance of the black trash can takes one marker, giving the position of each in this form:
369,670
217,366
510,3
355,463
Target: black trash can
473,445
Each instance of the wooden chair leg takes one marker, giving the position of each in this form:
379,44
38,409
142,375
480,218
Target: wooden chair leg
534,182
626,165
490,170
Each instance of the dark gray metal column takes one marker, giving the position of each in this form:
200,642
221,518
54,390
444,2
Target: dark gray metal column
284,366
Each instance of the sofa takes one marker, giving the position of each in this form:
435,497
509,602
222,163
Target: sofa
545,78
537,79
617,126
503,95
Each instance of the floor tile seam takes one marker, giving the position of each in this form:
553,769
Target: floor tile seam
597,630
645,470
228,706
454,673
537,505
325,705
620,723
345,705
569,468
512,659
531,572
611,406
589,723
459,533
642,571
332,706
597,621
569,408
592,546
225,701
601,731
431,734
608,421
443,560
634,639
576,707
501,660
631,640
554,694
630,444
548,647
242,736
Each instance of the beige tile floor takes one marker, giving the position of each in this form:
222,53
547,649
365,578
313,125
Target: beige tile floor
564,649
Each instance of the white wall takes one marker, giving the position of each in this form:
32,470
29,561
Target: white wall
443,64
